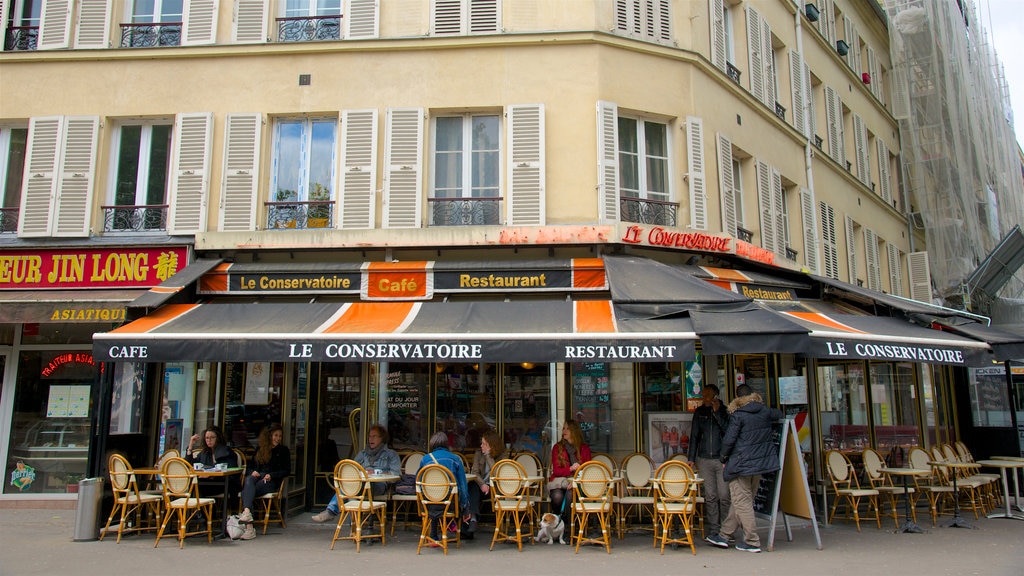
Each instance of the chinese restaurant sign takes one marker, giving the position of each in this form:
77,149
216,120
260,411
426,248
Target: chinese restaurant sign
89,268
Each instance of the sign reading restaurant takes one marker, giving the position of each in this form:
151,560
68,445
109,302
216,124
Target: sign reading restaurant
89,268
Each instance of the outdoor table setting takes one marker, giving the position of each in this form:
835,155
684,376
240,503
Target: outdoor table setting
1004,463
225,473
956,521
1016,482
904,473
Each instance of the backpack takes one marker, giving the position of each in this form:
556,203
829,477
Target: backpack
239,530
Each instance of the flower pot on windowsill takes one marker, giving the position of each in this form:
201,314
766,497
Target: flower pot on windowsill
72,488
812,12
842,47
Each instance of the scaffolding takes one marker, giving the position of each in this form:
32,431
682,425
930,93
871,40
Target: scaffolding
961,168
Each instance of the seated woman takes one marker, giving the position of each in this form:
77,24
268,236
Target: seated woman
267,469
376,456
214,451
566,456
491,450
439,454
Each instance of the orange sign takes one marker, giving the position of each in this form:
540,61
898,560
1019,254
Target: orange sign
397,281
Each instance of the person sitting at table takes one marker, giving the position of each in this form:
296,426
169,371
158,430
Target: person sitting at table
491,450
376,456
440,454
566,456
267,469
211,451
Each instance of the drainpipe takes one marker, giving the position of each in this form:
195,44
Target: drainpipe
805,129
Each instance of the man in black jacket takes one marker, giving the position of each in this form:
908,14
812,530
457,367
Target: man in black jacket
748,452
710,421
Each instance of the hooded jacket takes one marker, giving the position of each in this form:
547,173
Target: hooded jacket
747,448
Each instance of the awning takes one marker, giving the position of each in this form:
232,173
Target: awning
158,295
518,331
1006,345
748,330
42,306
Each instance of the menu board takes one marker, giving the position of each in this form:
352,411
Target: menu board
68,402
591,402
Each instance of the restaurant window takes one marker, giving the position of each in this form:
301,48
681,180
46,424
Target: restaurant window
603,401
467,170
643,159
465,403
894,410
990,402
143,155
938,403
753,370
303,173
340,395
187,405
842,402
403,396
13,142
527,408
252,401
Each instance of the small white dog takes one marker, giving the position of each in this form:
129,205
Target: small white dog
551,529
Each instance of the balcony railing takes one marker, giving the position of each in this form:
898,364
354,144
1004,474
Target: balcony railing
733,72
818,142
150,34
8,220
146,218
465,211
20,38
292,215
744,234
791,254
780,111
644,211
305,28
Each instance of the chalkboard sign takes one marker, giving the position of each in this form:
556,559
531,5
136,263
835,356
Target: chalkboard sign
786,490
764,500
591,404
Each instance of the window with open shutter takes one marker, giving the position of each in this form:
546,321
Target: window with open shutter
779,213
871,258
884,177
39,190
860,141
362,19
250,21
358,199
895,269
769,96
727,186
829,241
73,206
696,173
717,20
834,119
755,53
797,89
874,72
93,28
608,161
920,277
526,165
809,225
848,34
403,164
54,25
827,20
238,202
765,205
453,17
851,249
199,22
649,20
190,173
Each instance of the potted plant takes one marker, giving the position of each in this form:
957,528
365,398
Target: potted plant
70,480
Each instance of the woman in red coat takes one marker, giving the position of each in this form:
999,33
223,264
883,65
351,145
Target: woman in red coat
566,456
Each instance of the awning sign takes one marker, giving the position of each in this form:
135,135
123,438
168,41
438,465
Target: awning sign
89,268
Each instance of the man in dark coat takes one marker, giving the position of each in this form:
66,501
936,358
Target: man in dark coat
747,452
710,421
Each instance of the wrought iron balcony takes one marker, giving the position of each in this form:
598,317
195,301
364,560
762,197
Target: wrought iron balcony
305,28
744,234
145,218
818,142
791,254
733,72
292,215
20,38
150,34
648,211
9,220
780,111
465,211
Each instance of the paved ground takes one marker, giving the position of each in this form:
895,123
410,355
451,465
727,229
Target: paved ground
40,542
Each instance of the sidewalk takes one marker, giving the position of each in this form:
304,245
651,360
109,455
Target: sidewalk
40,542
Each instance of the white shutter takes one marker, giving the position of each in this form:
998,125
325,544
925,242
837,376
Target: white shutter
848,36
39,186
768,58
717,19
920,277
446,17
778,213
250,21
626,16
54,24
403,162
895,270
238,202
199,22
5,7
764,196
851,250
884,177
659,21
73,206
855,47
809,224
860,141
190,173
362,19
873,72
484,16
829,242
755,48
526,165
93,29
797,75
872,261
697,177
608,161
727,186
834,119
827,20
357,201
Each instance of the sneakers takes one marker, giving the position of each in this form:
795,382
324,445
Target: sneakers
245,516
744,547
323,516
471,528
717,541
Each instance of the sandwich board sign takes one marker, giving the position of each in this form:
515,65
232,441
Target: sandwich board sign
786,490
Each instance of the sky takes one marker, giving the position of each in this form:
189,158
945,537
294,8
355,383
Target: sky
1004,19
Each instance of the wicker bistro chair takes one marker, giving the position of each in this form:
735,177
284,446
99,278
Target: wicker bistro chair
129,503
182,501
988,484
873,463
848,490
402,502
934,488
437,499
355,501
968,490
270,504
605,459
674,497
637,498
510,499
536,480
593,497
154,485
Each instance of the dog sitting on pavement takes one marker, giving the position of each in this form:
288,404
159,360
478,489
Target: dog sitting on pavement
551,529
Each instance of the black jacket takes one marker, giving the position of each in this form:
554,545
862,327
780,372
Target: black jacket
279,466
747,448
706,432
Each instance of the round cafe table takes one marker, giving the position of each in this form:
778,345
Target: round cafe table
956,521
1003,465
908,523
1016,482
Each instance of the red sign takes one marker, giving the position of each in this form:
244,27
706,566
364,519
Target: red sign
397,281
89,268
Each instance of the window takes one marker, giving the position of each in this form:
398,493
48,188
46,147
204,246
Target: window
467,171
142,152
454,17
303,173
649,20
643,168
12,170
737,193
310,20
730,52
153,23
23,33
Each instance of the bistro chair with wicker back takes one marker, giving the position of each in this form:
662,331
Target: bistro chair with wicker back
134,510
271,505
593,498
674,499
510,500
637,499
847,489
968,490
933,486
355,502
605,459
153,486
182,501
873,463
988,484
437,499
535,477
403,502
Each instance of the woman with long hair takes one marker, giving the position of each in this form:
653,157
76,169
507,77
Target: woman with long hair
491,450
566,456
271,465
214,451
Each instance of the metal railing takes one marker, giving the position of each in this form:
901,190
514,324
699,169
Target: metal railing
294,215
9,220
744,234
644,211
780,111
733,72
21,38
150,34
305,28
791,254
144,218
465,211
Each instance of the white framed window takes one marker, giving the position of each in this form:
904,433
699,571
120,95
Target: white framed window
141,157
300,8
466,165
24,18
730,32
737,191
304,20
303,172
455,17
643,159
155,11
13,145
